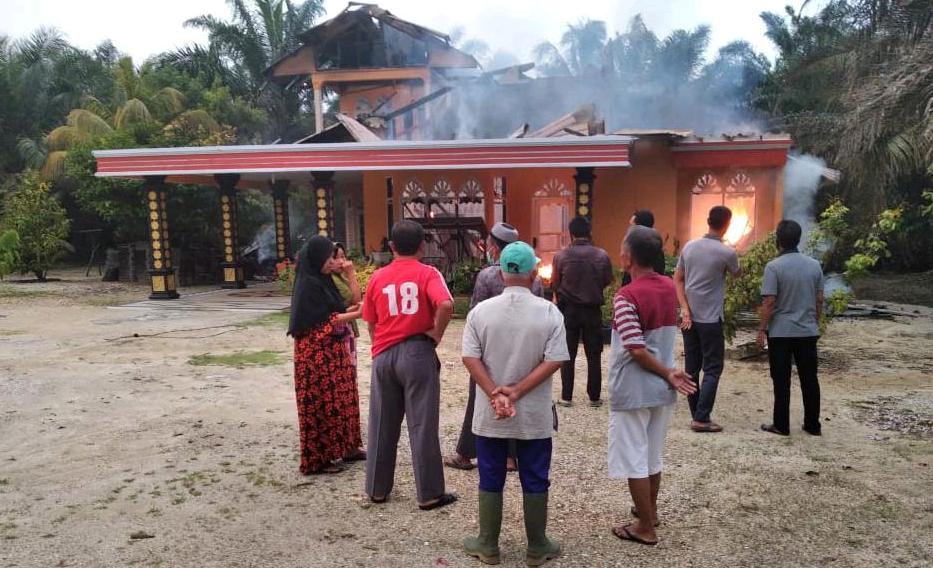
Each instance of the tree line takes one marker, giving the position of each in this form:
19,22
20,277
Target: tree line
852,83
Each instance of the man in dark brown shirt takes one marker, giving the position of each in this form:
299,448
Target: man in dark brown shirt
581,273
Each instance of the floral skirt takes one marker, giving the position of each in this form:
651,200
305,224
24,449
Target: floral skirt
327,396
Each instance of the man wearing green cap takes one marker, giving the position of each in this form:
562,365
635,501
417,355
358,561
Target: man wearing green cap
512,345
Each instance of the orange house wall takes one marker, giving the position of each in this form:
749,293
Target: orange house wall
652,183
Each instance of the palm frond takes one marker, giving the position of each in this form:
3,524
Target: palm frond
64,138
87,122
95,105
32,152
134,111
168,101
54,167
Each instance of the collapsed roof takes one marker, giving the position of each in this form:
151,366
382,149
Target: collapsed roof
365,36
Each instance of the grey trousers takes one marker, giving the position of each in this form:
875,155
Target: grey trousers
405,384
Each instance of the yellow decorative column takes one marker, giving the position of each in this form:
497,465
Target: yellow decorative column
283,245
162,272
583,205
323,184
233,275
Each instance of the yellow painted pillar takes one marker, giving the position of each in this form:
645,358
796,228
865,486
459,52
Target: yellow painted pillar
233,275
323,184
162,271
283,245
583,203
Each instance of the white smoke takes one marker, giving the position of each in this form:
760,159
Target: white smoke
802,176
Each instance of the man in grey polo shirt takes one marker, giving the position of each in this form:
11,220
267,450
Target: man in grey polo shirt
512,345
792,290
701,283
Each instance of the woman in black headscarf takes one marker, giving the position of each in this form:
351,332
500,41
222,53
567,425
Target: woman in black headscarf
325,388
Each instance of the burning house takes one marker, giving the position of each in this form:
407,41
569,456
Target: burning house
401,145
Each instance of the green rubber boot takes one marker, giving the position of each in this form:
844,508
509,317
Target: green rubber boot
485,547
540,547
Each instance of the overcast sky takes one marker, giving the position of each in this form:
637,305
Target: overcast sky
142,29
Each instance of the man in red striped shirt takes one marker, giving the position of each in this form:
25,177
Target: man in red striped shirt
643,384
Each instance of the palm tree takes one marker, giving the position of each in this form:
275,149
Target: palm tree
240,50
583,48
132,104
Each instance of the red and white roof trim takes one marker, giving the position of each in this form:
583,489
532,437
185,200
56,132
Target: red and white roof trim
591,151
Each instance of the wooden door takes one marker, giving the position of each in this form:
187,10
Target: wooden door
551,219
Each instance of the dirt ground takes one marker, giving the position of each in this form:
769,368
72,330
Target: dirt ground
115,451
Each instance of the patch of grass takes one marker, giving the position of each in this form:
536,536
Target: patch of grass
7,526
17,292
276,319
259,478
461,306
263,358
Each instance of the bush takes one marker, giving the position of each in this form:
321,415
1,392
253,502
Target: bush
463,276
743,292
40,222
9,252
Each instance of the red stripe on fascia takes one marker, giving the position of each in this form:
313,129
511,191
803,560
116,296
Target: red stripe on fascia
208,160
106,166
382,154
388,151
351,160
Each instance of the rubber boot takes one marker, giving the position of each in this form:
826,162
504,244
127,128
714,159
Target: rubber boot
540,547
485,547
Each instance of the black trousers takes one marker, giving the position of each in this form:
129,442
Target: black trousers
704,349
782,353
582,322
466,445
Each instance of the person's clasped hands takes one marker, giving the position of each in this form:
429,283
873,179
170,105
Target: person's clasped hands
502,403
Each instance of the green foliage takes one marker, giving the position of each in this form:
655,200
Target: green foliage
263,358
462,276
837,302
743,293
831,226
9,252
927,208
874,246
40,222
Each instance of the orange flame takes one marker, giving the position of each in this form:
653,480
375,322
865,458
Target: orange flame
740,227
545,272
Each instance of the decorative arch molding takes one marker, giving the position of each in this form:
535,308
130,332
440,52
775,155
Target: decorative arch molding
553,187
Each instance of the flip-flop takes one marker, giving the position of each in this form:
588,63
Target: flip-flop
634,512
459,464
629,535
442,501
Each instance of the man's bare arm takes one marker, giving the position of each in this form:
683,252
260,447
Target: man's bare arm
765,312
445,310
679,380
680,284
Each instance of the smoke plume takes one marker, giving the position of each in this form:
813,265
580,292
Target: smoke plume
802,176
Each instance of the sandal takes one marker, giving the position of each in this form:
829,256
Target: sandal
457,461
634,512
629,535
442,501
356,455
379,500
328,469
772,430
710,427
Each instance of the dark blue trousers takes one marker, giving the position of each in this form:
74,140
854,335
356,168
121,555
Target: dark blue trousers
534,464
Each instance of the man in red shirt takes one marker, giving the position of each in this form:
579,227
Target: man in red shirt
407,308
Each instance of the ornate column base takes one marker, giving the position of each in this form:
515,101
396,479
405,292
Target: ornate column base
164,286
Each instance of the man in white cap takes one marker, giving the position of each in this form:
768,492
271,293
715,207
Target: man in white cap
489,284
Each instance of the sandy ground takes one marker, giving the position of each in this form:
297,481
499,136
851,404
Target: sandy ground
105,436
